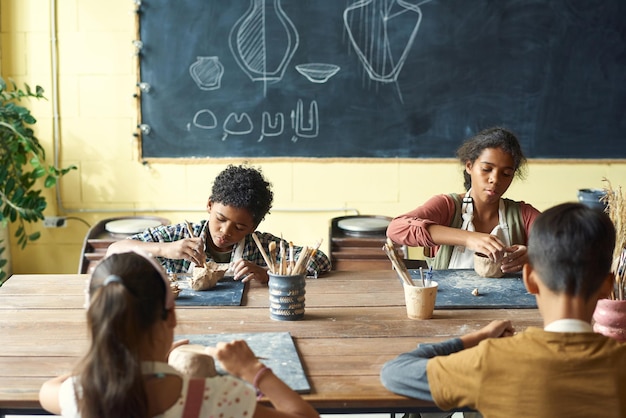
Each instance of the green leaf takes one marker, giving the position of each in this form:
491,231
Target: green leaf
20,159
38,172
35,162
50,181
19,194
10,184
34,236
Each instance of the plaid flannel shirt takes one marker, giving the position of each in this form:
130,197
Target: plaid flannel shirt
319,263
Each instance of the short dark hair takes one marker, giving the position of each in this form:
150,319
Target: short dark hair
571,248
243,187
495,137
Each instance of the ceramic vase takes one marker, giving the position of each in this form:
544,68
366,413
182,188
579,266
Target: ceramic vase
610,318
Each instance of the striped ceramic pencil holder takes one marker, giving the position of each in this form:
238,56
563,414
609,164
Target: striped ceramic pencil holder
286,297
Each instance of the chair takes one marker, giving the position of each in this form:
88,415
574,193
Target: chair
109,230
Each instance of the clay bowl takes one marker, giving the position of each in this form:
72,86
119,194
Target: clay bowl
484,267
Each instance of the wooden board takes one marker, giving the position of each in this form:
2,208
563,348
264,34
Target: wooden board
276,349
456,286
227,292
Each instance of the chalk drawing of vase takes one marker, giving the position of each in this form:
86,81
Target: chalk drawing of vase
382,33
263,41
207,72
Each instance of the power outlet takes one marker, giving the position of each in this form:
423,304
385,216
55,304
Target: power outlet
55,222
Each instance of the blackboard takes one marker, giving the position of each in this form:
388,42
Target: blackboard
413,78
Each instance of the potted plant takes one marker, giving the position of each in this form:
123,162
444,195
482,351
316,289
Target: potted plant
23,171
610,314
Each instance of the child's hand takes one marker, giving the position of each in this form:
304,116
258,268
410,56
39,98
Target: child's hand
498,328
514,258
246,271
237,358
190,249
487,244
495,329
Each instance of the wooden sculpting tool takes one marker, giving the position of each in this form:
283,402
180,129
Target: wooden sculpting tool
398,265
272,249
191,234
263,253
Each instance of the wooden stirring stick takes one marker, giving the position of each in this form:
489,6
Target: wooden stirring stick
263,253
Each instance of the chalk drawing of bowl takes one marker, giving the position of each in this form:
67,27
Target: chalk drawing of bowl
317,72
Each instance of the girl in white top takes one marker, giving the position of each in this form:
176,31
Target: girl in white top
131,320
480,220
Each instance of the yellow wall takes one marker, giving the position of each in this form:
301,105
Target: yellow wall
97,116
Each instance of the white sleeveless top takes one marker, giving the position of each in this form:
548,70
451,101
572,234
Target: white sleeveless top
462,257
223,395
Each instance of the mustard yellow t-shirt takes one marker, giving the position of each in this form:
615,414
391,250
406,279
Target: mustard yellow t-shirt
534,374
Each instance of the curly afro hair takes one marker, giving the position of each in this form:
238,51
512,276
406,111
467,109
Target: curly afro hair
243,187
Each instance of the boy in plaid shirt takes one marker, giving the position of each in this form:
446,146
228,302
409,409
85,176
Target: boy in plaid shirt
240,199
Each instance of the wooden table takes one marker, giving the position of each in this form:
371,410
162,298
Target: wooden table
354,322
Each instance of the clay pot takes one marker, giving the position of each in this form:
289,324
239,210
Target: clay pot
610,318
484,267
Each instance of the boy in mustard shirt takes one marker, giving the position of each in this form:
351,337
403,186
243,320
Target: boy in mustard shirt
564,369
